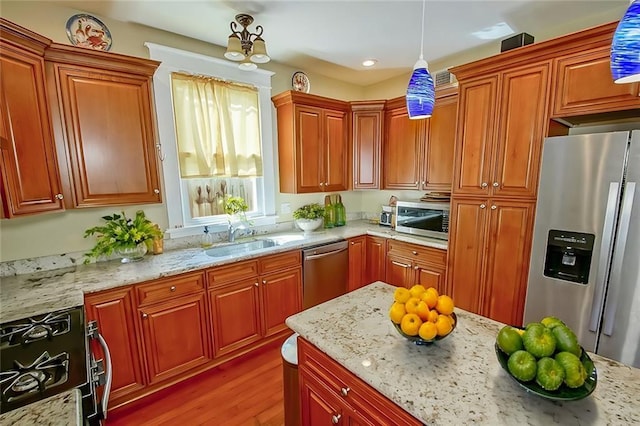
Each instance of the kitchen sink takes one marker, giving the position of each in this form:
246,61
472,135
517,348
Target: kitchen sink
240,248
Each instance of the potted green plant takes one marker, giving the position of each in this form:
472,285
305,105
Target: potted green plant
309,217
129,238
236,207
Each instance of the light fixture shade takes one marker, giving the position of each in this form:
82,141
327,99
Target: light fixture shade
420,92
247,65
625,48
234,49
259,52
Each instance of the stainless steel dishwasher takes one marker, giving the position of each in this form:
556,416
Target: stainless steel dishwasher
325,271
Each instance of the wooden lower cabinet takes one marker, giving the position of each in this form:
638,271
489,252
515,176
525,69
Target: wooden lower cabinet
115,312
280,297
175,335
489,250
330,394
357,262
410,264
376,253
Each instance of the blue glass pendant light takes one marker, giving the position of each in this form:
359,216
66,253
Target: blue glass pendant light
420,92
625,48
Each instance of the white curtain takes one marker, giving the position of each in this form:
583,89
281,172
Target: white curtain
217,127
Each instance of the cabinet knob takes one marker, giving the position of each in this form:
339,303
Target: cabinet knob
353,243
173,288
345,391
424,182
416,183
416,267
144,315
493,207
484,185
321,183
482,206
59,196
335,419
415,253
264,281
257,284
156,191
496,184
355,183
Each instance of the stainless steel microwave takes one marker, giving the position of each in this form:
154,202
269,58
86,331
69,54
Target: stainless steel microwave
423,218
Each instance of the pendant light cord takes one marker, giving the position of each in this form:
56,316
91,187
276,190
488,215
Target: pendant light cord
424,2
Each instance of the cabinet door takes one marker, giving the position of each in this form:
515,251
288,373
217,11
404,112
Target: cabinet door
357,263
507,261
438,162
584,85
235,316
310,149
367,144
475,136
115,312
399,271
30,180
376,253
430,276
175,335
466,252
108,127
281,297
336,154
522,127
318,405
402,146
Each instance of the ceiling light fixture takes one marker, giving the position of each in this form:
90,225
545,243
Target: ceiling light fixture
420,92
625,48
246,47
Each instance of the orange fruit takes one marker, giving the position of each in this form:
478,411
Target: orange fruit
423,311
417,290
412,305
410,324
401,295
444,305
433,315
396,312
428,330
443,325
430,297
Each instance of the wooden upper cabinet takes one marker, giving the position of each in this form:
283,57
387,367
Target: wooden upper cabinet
441,141
583,85
500,131
312,143
29,179
402,147
367,119
105,106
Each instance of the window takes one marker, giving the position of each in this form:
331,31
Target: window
215,133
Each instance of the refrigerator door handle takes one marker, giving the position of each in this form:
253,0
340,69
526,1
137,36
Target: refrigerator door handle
603,261
616,271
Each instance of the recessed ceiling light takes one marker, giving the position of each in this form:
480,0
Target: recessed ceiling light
369,62
493,32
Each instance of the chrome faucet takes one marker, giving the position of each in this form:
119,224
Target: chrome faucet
232,230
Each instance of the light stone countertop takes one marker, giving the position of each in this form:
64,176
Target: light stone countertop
37,293
457,380
62,409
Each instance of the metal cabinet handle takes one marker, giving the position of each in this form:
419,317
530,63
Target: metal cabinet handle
335,419
345,391
144,315
496,184
59,196
484,185
400,264
493,207
173,288
156,191
415,252
482,206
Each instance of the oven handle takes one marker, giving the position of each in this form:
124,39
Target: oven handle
108,374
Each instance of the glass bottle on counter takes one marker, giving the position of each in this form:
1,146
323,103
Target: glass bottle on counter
340,213
329,216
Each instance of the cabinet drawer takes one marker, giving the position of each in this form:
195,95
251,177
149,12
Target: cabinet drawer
231,273
417,252
280,261
168,288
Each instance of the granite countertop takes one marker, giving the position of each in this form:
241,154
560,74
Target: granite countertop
457,380
62,409
42,292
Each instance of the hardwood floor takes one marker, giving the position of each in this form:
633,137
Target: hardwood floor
244,392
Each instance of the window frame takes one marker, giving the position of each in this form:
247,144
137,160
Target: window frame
177,60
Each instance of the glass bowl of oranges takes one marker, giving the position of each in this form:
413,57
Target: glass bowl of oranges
421,315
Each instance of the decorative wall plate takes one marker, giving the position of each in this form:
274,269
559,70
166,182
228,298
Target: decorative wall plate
88,31
300,82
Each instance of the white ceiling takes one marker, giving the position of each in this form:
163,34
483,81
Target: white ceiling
334,37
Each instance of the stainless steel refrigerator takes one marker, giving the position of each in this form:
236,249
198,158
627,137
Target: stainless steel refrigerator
585,258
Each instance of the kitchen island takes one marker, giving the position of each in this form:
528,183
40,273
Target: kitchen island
457,380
